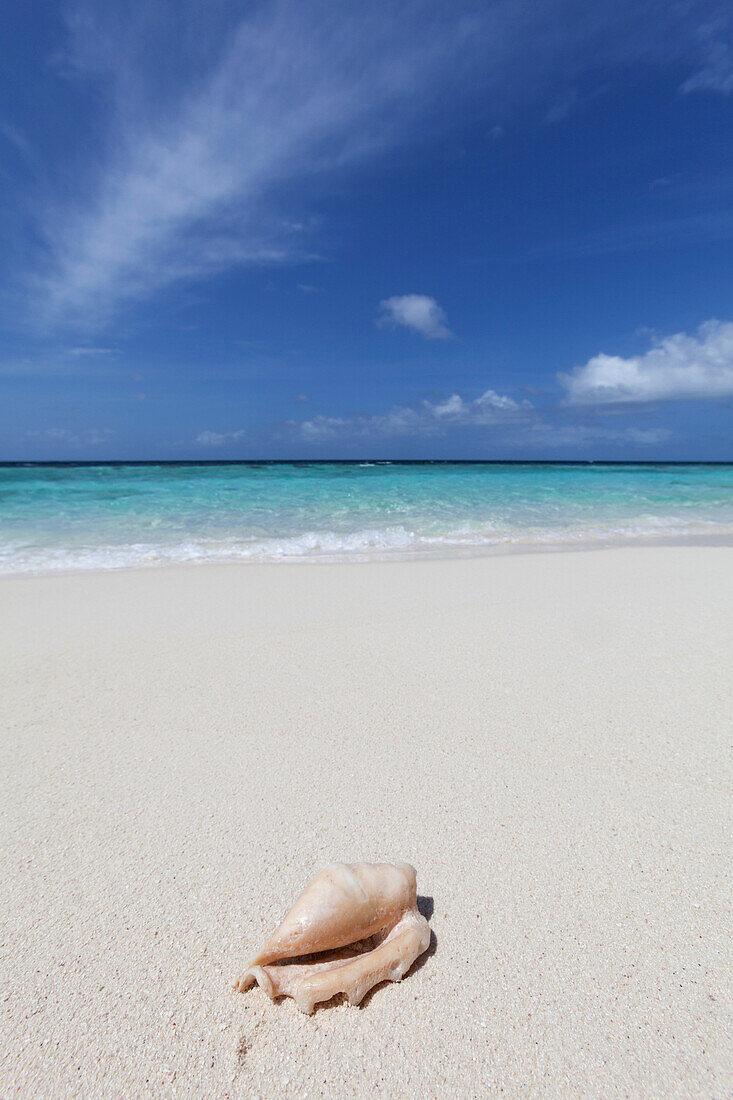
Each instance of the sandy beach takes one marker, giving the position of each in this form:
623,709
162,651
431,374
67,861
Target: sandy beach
546,737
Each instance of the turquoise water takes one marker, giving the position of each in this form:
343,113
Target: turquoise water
67,518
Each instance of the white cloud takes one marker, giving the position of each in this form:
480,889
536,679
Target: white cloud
423,418
415,311
218,439
329,427
675,368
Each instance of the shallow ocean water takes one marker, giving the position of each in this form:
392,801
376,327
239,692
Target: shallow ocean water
63,517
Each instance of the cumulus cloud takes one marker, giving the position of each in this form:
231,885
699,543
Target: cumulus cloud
415,311
677,367
218,439
516,426
423,418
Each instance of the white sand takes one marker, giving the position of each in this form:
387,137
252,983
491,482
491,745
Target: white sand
546,737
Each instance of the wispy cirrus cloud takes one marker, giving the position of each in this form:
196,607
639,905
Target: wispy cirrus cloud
14,138
677,367
185,187
193,161
83,351
417,312
546,435
716,72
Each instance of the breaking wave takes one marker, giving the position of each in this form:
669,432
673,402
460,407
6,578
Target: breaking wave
359,545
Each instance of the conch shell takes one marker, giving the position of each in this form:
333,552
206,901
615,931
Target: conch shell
355,925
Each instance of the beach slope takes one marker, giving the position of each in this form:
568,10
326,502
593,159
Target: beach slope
546,737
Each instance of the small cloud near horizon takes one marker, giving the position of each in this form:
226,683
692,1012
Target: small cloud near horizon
89,437
422,418
514,424
218,439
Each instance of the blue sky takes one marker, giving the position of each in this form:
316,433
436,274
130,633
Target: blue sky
330,229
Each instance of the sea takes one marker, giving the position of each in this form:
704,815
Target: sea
67,517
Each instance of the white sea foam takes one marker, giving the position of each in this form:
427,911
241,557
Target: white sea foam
24,558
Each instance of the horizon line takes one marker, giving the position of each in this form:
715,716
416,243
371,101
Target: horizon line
15,463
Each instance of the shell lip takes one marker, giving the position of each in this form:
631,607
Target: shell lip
255,975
